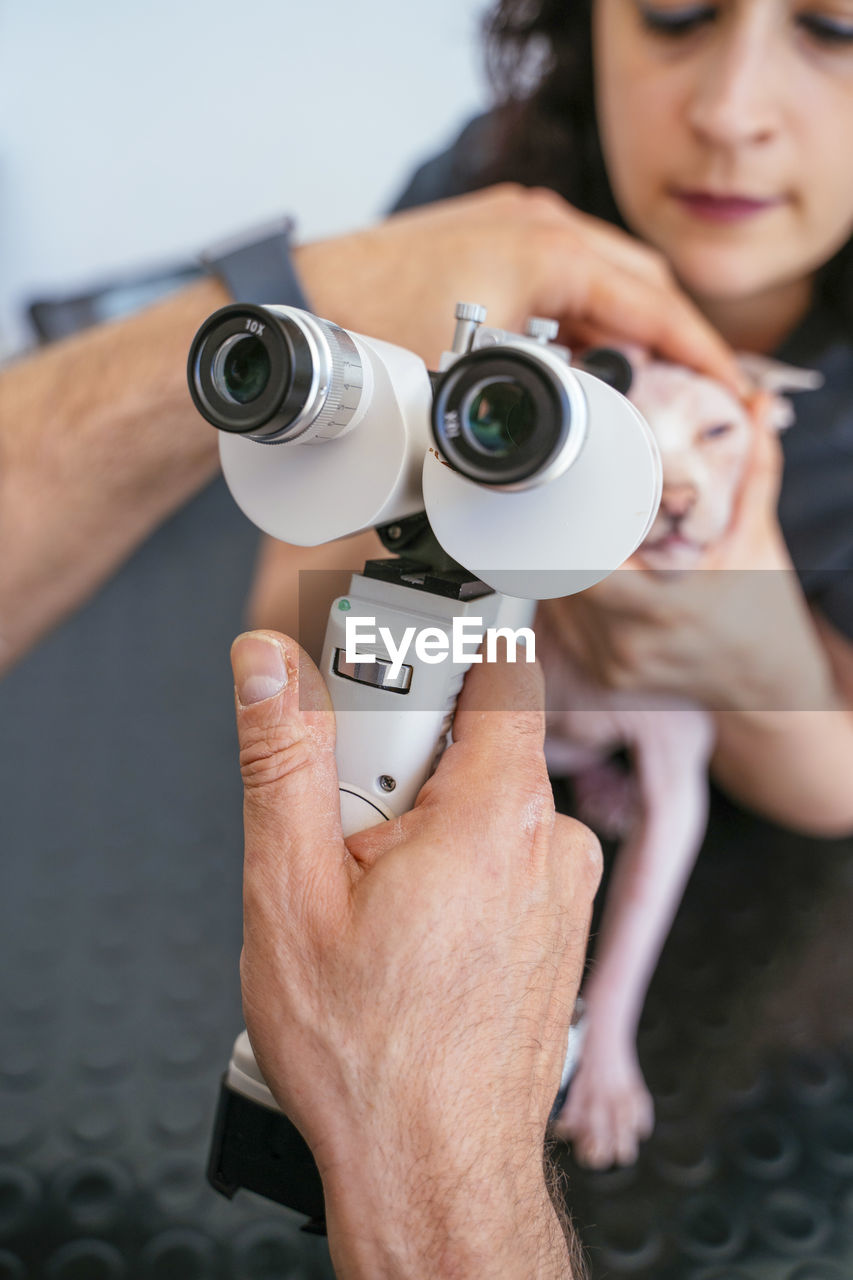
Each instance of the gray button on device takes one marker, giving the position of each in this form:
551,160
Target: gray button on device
377,673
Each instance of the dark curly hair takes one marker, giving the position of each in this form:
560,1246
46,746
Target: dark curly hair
539,57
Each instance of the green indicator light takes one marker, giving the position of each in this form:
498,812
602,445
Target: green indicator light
344,606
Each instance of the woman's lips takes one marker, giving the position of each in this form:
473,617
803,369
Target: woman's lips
713,208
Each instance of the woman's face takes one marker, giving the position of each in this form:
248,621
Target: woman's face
727,131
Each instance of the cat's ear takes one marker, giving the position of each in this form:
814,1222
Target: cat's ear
781,380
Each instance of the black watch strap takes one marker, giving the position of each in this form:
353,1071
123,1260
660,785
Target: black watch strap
255,1148
257,266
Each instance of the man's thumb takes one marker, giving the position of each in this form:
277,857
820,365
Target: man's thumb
286,728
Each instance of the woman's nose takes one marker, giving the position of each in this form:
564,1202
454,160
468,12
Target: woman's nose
734,101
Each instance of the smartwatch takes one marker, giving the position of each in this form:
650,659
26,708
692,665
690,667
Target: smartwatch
256,266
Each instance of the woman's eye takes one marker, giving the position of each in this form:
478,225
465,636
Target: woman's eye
826,30
714,433
677,22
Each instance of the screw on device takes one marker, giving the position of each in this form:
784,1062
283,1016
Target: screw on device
469,317
541,329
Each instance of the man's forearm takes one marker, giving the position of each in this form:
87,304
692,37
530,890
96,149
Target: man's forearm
99,443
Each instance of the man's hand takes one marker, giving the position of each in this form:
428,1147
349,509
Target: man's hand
520,252
408,991
100,442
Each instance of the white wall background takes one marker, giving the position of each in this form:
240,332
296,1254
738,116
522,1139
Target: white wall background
134,132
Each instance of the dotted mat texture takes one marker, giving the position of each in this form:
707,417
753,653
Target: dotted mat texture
747,1045
120,929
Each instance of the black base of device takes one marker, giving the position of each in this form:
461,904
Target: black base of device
258,1149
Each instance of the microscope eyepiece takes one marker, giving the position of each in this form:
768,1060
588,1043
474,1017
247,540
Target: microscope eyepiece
247,372
533,474
501,417
611,366
274,374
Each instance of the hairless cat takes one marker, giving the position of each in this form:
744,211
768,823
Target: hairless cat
660,808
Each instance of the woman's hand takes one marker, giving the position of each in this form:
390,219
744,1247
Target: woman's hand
735,633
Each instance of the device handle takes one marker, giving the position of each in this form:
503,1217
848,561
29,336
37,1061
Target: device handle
394,660
393,718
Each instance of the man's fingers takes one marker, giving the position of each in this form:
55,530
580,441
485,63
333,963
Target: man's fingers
495,769
624,250
294,848
578,864
602,238
667,323
602,297
494,775
502,706
575,866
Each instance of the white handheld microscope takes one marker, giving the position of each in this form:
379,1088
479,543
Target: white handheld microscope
507,477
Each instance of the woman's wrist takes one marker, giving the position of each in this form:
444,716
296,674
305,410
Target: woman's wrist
792,665
761,652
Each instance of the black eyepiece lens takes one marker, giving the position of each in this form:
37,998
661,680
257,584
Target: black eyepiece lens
499,417
241,368
611,366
